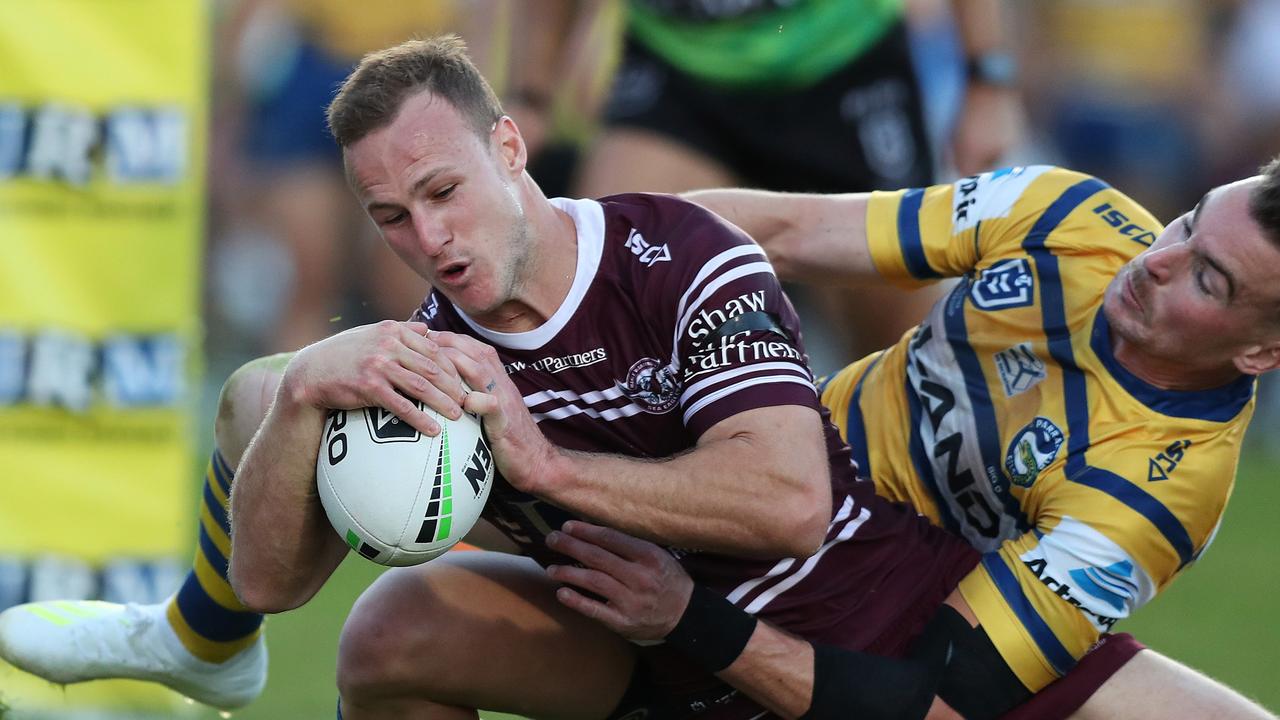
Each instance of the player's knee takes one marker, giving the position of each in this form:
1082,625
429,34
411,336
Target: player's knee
380,649
243,403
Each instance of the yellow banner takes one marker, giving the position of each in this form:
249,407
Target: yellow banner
103,111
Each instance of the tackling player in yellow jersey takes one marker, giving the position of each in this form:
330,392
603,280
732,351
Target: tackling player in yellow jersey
1087,487
1074,407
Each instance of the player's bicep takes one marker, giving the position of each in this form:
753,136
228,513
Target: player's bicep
786,438
922,234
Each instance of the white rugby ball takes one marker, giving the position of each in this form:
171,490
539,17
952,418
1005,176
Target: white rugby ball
396,496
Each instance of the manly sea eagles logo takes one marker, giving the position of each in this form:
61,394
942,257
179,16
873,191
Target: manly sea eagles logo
651,385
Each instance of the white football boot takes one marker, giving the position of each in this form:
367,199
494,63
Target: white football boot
69,642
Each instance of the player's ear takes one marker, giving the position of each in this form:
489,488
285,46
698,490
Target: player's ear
1257,359
510,145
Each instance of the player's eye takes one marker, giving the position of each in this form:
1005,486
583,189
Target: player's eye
445,192
1186,226
1201,281
394,219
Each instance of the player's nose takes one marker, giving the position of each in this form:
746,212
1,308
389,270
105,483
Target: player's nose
1162,263
431,232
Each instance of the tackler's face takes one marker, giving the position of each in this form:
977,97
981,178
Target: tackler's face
445,200
1206,291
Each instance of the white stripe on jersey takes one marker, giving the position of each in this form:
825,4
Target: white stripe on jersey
846,509
728,277
728,374
768,596
712,397
570,410
711,266
592,397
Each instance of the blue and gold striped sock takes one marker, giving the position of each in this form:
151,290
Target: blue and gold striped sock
205,614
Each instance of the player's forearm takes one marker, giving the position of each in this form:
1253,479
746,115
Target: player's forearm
775,670
980,25
539,35
731,496
808,238
282,546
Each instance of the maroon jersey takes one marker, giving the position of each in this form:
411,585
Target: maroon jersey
676,321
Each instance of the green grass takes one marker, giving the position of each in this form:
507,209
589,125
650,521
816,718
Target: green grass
1222,616
303,648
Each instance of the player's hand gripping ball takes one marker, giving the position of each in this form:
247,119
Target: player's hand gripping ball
395,495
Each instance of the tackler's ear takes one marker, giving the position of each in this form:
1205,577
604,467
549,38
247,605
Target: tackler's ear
1258,359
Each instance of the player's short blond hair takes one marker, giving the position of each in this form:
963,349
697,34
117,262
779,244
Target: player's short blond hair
373,93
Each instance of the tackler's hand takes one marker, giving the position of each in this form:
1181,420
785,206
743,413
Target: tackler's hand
644,590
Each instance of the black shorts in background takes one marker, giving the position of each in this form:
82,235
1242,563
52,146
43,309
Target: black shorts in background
860,128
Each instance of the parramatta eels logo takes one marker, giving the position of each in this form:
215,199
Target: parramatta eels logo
651,385
1032,449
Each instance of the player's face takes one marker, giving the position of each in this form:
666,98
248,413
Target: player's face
446,201
1205,292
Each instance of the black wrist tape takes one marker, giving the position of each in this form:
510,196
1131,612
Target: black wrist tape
712,630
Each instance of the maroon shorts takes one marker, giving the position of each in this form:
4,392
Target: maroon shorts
1066,694
888,580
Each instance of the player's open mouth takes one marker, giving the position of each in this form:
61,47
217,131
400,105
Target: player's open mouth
453,273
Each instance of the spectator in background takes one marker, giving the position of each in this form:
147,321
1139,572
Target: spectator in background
278,175
1114,99
1251,87
815,95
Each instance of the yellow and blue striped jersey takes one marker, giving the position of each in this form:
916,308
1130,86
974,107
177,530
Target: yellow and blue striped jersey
1005,418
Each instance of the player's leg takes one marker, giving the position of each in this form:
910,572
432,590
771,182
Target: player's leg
476,630
307,208
207,616
655,137
1156,687
634,160
202,642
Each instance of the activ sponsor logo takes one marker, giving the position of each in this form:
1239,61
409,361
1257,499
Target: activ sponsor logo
1089,571
1110,584
1032,450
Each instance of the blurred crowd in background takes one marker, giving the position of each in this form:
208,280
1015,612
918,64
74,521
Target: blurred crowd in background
1161,98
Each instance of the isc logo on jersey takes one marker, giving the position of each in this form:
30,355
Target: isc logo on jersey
398,497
